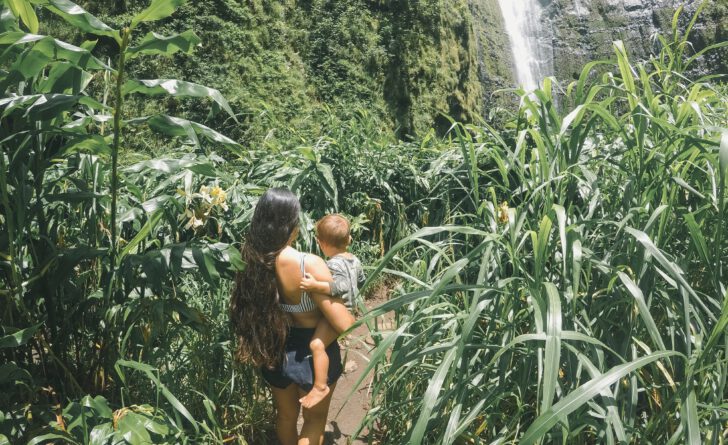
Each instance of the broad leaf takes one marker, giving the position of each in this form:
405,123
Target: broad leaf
46,106
45,49
175,126
91,144
132,428
64,78
20,337
7,20
154,43
159,9
170,166
23,9
178,88
78,17
55,436
149,371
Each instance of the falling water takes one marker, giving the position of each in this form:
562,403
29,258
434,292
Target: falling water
530,56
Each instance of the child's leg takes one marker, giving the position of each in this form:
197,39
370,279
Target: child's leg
322,337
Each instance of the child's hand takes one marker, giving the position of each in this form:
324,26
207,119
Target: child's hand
308,282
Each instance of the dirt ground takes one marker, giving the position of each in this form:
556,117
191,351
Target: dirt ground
346,415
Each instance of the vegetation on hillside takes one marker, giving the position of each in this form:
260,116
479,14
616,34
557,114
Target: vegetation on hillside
561,277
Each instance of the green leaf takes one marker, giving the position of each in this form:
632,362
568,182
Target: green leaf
698,239
159,9
177,88
7,20
169,166
46,106
689,417
672,269
175,126
552,356
724,152
136,365
46,49
577,398
59,435
78,17
65,78
149,372
23,9
99,404
131,427
718,332
206,265
329,184
681,182
431,396
20,337
643,309
101,434
143,233
154,43
91,144
9,373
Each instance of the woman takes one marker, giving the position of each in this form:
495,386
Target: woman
274,321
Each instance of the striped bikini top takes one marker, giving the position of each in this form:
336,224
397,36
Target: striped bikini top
306,304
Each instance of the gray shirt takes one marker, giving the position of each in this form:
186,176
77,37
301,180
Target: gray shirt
348,276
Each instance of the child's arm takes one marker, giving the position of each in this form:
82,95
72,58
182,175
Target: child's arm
311,284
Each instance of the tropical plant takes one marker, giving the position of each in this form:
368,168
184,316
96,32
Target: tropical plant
94,254
580,294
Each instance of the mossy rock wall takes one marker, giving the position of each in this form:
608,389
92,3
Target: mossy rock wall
583,30
293,69
296,66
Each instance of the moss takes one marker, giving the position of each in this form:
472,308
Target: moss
495,68
293,64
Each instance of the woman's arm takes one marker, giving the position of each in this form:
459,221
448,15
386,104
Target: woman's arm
333,308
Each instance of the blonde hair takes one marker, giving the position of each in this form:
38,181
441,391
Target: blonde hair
334,230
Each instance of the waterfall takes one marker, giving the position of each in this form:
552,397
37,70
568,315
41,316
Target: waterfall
531,58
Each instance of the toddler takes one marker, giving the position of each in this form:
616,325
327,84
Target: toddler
333,236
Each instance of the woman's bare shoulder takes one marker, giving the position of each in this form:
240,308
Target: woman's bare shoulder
316,266
314,260
287,256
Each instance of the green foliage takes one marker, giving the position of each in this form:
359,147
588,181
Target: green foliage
573,297
561,277
95,256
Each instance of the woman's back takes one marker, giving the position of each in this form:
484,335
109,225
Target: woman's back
288,278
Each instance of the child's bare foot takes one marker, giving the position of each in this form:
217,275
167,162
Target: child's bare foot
314,396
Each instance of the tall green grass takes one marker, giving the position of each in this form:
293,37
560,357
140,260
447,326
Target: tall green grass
577,293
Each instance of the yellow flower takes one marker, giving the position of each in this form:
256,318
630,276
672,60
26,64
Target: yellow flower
503,212
218,192
218,197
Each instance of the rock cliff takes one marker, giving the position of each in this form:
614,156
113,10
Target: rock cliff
292,64
583,30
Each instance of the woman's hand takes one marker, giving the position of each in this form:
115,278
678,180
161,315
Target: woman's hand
332,308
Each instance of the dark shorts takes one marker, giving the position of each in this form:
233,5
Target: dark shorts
297,365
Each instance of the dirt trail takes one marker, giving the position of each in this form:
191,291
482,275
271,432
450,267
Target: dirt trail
345,415
350,412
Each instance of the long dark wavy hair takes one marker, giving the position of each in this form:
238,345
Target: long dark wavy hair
259,324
